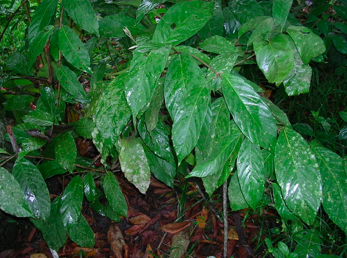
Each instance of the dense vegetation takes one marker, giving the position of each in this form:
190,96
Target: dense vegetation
177,90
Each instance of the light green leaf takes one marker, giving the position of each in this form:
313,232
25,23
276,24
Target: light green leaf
41,18
83,14
73,49
236,198
273,57
143,76
71,202
38,44
114,194
280,11
250,172
2,151
12,199
218,45
70,83
50,169
334,182
65,151
134,163
182,21
297,173
113,25
250,113
81,233
308,44
280,204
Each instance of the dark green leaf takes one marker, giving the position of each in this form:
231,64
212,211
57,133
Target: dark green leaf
236,198
182,21
341,44
341,11
264,27
65,151
71,202
309,245
280,204
215,26
112,26
40,118
244,10
297,173
29,145
85,127
114,194
251,24
81,233
50,169
18,102
145,7
12,199
18,63
278,114
218,45
280,11
90,190
152,113
54,45
46,101
269,166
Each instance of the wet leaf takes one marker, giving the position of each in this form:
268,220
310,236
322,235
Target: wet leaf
280,11
65,151
218,45
236,199
50,169
85,127
90,190
114,194
81,233
280,204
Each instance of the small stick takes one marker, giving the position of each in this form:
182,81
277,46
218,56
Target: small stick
13,139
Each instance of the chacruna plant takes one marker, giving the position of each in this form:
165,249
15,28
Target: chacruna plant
183,93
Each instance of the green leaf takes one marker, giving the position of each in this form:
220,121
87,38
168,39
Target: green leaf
12,199
40,118
280,204
143,76
250,172
113,25
236,198
341,44
41,18
269,166
182,21
278,114
71,202
29,145
83,14
38,44
343,115
53,230
114,194
250,113
333,175
145,7
90,190
273,57
111,116
73,49
151,115
134,163
309,245
244,10
47,101
280,11
2,151
85,127
308,44
18,63
18,102
193,52
263,27
65,151
50,169
54,45
297,173
252,24
70,83
81,233
215,26
34,188
218,45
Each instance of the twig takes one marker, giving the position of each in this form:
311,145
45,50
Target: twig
8,159
244,60
13,139
48,60
225,217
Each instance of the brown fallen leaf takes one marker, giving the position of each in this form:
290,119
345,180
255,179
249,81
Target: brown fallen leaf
89,251
232,234
174,228
116,240
180,243
202,218
134,230
141,219
38,255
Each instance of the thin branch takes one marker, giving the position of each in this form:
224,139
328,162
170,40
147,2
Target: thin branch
8,159
13,139
244,60
48,60
225,217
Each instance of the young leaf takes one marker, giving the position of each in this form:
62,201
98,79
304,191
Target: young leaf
333,175
73,49
134,163
280,11
65,151
114,194
218,45
38,44
71,202
81,233
250,172
83,14
250,113
41,18
12,199
70,83
236,198
273,57
34,188
297,173
182,21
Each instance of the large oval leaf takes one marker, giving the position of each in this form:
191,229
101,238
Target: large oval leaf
114,194
297,173
12,199
34,187
182,21
65,151
334,182
280,204
81,233
134,163
251,115
38,43
280,11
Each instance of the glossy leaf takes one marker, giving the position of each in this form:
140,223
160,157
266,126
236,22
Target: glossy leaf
111,116
90,190
278,114
71,202
113,25
151,115
85,127
39,117
114,194
39,43
13,199
297,173
218,45
41,18
280,204
308,44
69,81
65,151
143,76
34,188
73,49
50,169
309,244
182,21
265,26
83,14
236,199
134,163
333,175
215,26
47,100
269,166
145,7
280,11
29,145
273,57
250,172
81,233
193,52
251,24
250,113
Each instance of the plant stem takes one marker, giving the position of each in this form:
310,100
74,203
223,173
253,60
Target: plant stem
8,159
225,217
244,60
